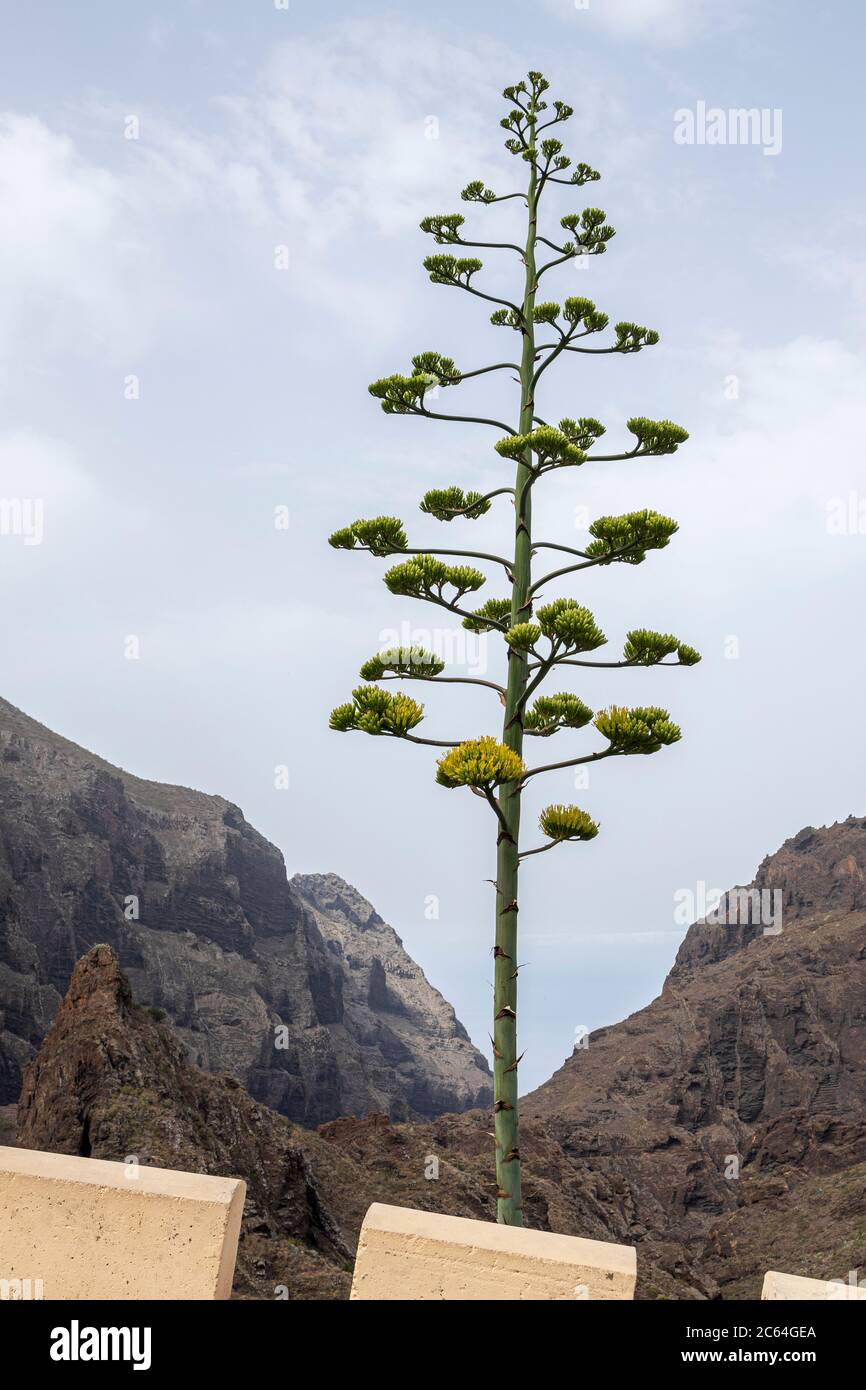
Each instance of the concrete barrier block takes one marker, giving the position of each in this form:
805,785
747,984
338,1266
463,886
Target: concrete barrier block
81,1228
792,1286
418,1255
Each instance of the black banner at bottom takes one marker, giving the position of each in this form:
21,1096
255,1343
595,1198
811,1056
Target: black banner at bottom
158,1338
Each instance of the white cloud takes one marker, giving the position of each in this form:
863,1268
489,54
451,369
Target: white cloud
82,265
796,429
34,465
654,21
843,270
377,115
43,490
58,218
342,140
328,144
82,527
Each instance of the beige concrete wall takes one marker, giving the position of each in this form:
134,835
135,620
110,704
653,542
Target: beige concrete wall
88,1229
791,1286
416,1255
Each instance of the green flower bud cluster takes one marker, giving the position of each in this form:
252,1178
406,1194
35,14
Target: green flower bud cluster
570,624
590,231
433,364
633,533
490,616
451,270
631,337
477,192
400,395
401,661
517,147
551,149
376,711
425,576
577,309
551,447
640,730
552,712
382,535
584,174
657,436
646,648
539,84
513,121
445,503
443,227
506,318
522,637
688,656
480,762
527,99
583,432
567,823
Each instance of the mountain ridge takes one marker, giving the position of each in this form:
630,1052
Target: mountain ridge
742,1086
720,1129
199,908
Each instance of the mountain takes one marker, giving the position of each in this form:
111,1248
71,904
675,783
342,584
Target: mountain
112,1081
388,1005
752,1062
300,992
721,1130
755,1051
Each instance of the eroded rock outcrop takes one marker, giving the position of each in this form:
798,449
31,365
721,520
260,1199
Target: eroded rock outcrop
732,1110
388,1004
111,1081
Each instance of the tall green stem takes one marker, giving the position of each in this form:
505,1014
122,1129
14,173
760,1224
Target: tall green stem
473,762
505,1058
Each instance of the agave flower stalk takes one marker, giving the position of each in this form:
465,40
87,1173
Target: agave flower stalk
538,640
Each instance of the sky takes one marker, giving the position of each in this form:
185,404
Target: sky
209,246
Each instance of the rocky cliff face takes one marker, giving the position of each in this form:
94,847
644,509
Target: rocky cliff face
111,1081
198,908
388,1005
817,873
731,1113
721,1130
